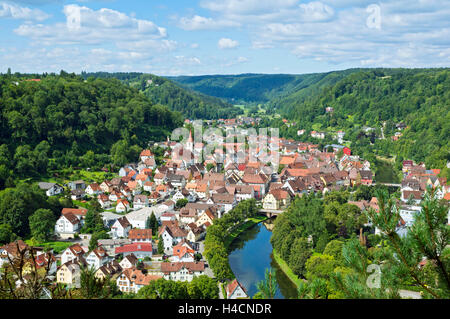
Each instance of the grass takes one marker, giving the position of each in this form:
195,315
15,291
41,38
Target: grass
88,176
286,269
242,227
57,246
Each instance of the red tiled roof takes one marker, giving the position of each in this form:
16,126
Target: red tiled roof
135,247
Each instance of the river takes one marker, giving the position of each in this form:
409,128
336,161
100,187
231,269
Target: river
251,254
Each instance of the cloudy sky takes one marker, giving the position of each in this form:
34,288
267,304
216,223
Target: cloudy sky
192,37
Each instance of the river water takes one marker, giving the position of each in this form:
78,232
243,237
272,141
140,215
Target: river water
251,254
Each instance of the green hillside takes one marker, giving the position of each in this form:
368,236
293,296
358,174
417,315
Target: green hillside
420,98
257,88
193,105
63,120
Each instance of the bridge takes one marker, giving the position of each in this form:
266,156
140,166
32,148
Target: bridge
270,212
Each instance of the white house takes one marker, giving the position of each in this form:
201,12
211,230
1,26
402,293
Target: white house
129,261
72,253
120,228
51,189
68,225
122,206
235,290
97,258
140,250
182,271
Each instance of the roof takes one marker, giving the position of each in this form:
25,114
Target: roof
71,218
146,153
175,267
75,211
231,287
140,234
135,247
123,221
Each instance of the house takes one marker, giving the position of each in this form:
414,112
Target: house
97,258
171,235
276,199
225,201
195,233
182,271
207,217
366,177
187,215
69,273
177,196
121,228
235,290
131,280
46,261
129,261
140,250
146,154
122,206
106,187
68,225
77,185
51,189
181,253
72,253
140,235
104,201
77,194
11,251
148,186
93,189
110,270
167,217
140,201
110,244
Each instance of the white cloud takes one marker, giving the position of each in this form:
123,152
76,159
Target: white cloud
315,11
248,7
17,12
203,23
87,26
225,43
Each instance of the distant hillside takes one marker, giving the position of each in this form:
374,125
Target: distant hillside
258,88
58,121
420,98
160,90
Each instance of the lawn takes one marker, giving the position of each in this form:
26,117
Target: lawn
57,246
286,269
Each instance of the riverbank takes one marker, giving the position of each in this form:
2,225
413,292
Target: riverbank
286,269
242,227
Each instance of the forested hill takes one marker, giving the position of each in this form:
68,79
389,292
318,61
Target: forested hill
63,120
420,98
259,88
193,105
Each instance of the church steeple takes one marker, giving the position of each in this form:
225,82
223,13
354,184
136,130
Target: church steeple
190,142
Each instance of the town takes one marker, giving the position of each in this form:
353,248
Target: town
157,216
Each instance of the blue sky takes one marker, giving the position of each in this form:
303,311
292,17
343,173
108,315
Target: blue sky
194,37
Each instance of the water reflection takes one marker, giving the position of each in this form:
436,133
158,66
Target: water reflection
251,254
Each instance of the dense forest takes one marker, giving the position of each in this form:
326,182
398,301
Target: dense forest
260,88
64,120
193,105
